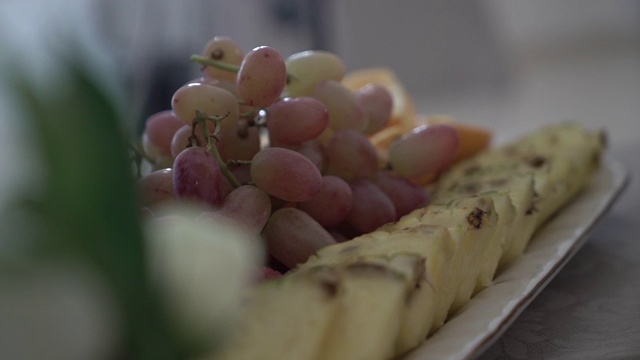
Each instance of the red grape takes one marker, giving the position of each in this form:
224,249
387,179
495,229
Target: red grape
197,177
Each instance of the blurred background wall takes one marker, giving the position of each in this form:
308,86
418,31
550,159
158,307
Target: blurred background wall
449,54
457,57
437,47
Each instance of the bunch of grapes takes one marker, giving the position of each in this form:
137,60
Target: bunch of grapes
281,147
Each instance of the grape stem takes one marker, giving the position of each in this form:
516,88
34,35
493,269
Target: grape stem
137,156
248,115
203,60
212,141
207,61
238,162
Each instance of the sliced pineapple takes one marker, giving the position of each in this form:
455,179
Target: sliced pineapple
518,219
371,298
559,158
287,318
493,252
371,307
472,222
430,306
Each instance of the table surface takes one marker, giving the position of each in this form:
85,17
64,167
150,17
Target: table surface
592,307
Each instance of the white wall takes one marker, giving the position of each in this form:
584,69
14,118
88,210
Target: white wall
443,46
550,23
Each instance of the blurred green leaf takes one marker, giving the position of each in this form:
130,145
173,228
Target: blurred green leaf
89,206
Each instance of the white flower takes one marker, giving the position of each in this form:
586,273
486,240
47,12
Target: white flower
202,270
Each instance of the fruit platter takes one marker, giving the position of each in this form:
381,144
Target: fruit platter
337,222
378,226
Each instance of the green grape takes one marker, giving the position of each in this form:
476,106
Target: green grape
308,68
223,49
194,98
345,112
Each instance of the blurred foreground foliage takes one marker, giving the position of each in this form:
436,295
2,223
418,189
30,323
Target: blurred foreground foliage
88,206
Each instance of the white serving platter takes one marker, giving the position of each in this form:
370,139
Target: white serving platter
485,318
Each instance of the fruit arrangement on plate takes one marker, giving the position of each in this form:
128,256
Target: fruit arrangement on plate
378,224
296,149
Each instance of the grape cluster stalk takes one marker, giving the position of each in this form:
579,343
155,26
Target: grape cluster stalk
318,179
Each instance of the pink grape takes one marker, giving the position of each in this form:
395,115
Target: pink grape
292,236
247,206
156,187
160,127
426,150
223,49
262,77
350,154
405,195
180,139
232,146
296,120
163,162
332,203
345,112
232,87
204,80
242,173
338,236
149,148
311,149
285,174
377,104
229,85
371,208
197,177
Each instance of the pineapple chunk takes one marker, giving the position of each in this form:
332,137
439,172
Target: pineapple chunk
370,311
286,318
560,159
428,308
471,221
513,197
